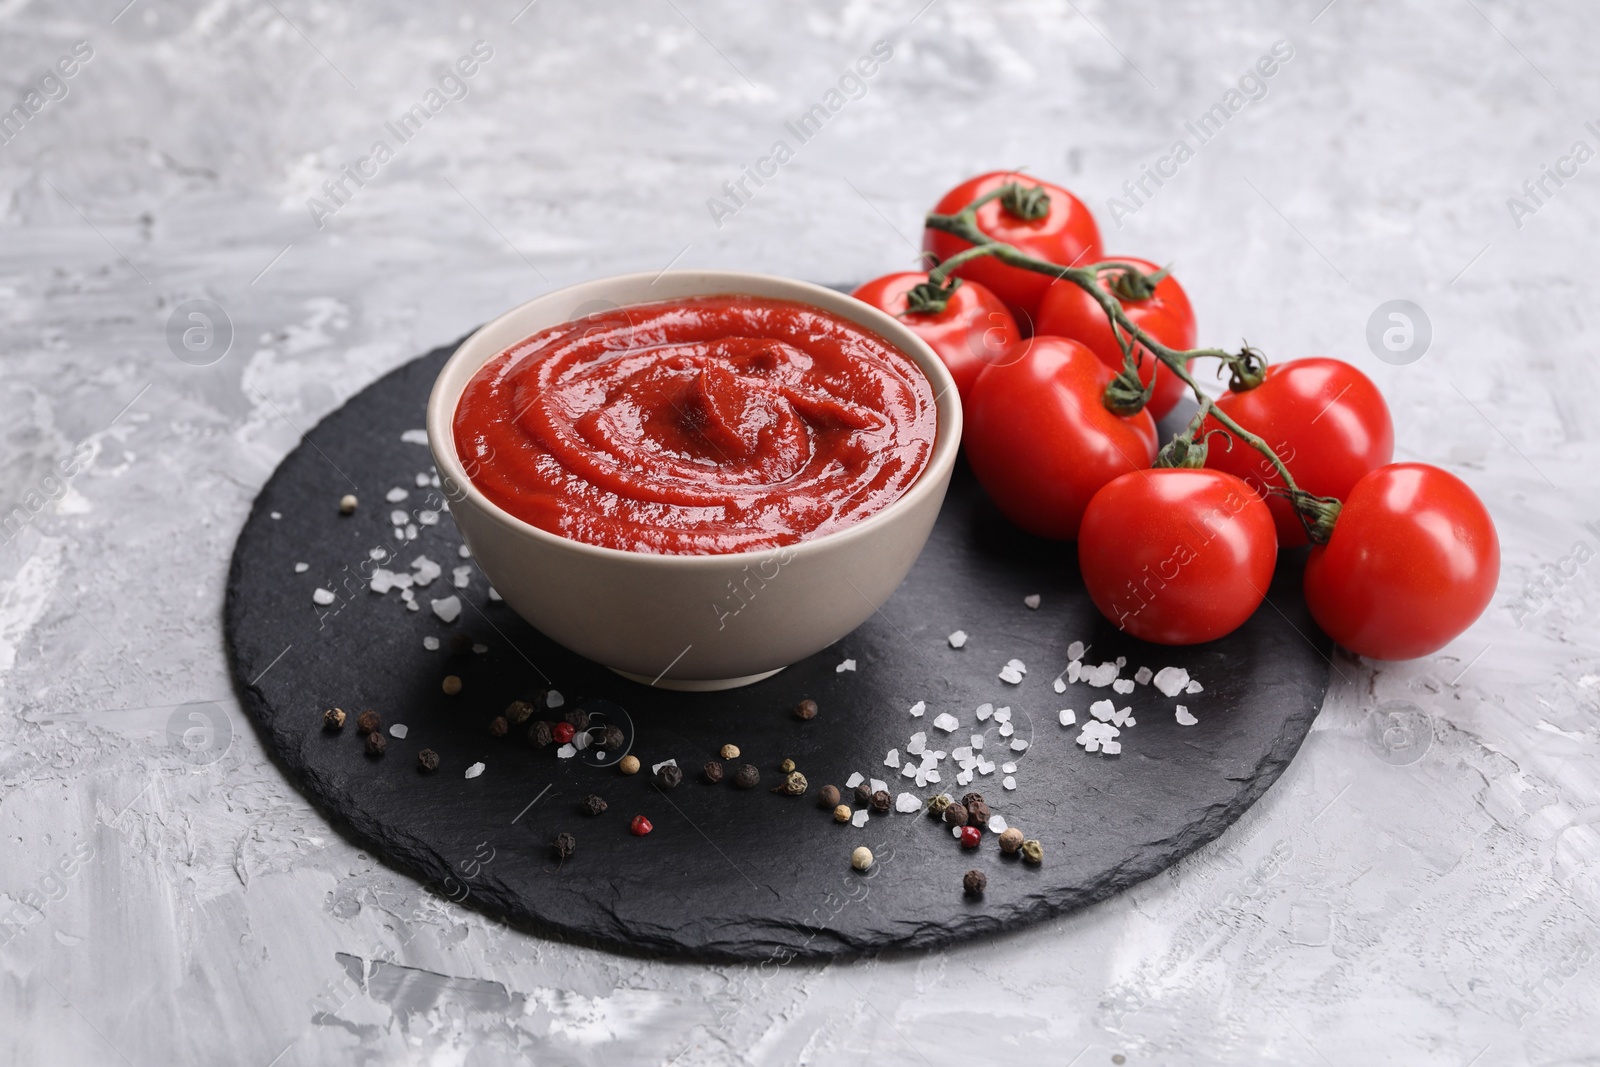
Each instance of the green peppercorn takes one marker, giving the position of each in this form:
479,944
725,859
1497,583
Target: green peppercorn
333,719
519,712
787,766
1032,851
936,805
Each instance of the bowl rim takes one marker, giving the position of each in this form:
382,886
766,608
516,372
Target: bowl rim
442,403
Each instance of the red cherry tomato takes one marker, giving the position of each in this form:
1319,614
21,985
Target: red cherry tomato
973,331
1041,440
1413,560
640,826
1068,311
1067,236
563,732
1177,556
1325,419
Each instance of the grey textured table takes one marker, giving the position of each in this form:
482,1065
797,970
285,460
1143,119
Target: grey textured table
1420,887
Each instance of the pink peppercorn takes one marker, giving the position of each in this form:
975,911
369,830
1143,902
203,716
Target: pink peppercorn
639,826
970,836
563,732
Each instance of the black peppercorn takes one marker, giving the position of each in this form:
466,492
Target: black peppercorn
955,815
880,801
828,797
747,777
669,776
974,882
578,718
368,721
863,795
565,845
970,797
539,734
498,726
376,743
977,810
519,712
713,772
806,710
594,804
428,760
613,737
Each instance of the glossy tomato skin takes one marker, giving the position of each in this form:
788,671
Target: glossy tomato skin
1041,441
1068,235
973,331
1412,562
1177,557
1325,419
1068,311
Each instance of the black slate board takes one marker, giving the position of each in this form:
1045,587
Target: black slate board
726,873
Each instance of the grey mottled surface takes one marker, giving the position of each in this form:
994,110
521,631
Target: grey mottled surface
1421,887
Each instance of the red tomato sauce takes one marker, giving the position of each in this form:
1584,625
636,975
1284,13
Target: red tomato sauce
698,426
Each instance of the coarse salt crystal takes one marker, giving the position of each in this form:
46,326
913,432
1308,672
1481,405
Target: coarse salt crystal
1068,717
461,577
276,515
984,711
323,597
474,770
1143,675
1006,729
407,595
1193,687
395,495
411,531
480,648
422,480
962,754
398,517
977,742
918,708
1010,675
1171,680
399,730
554,699
964,778
854,780
892,759
932,776
907,803
426,570
1102,675
918,743
1123,685
494,594
859,818
301,568
582,740
1059,686
946,721
1076,650
656,768
955,832
1018,745
847,665
985,766
1111,748
1010,783
1008,768
378,553
448,608
1002,714
464,552
1184,717
1120,718
908,770
567,751
428,518
431,644
1032,600
416,437
412,606
957,639
879,785
1102,709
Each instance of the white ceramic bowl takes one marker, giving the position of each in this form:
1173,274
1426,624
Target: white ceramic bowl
679,621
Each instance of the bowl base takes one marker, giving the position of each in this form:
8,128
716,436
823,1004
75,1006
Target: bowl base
697,685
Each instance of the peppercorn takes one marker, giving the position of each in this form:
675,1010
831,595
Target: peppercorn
428,760
1011,840
970,836
787,766
594,804
460,644
937,805
347,504
828,797
376,743
540,733
669,776
613,737
841,813
967,801
974,882
747,777
565,845
333,719
977,811
955,815
498,726
712,771
578,718
368,722
794,785
863,795
881,801
861,858
639,826
563,732
451,685
519,712
1032,851
628,765
730,752
806,710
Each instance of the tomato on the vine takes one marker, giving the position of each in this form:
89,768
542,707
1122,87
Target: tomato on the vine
975,329
1041,440
1177,556
1324,419
1066,235
1412,562
1068,311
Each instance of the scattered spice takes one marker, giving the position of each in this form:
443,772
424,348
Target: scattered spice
955,815
730,752
977,810
828,797
578,718
669,776
863,795
747,777
1032,851
540,733
861,858
970,836
974,882
806,710
428,760
451,685
368,722
565,845
376,743
498,726
639,826
613,737
594,804
794,785
460,644
519,712
1011,840
937,805
333,719
712,771
347,504
787,766
841,813
628,765
881,801
563,732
